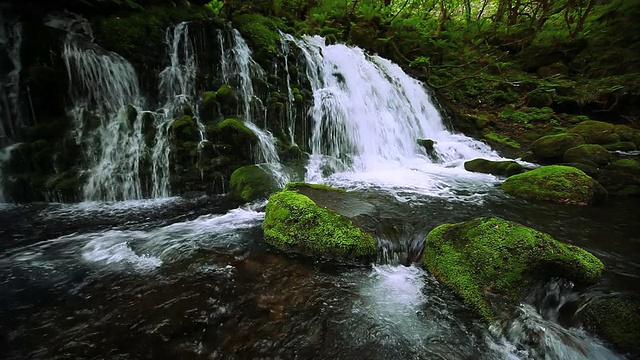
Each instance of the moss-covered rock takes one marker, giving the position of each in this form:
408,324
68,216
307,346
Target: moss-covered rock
617,321
554,146
629,166
208,106
588,154
625,132
252,182
500,168
501,139
621,146
491,255
294,222
596,132
562,184
619,183
184,128
261,33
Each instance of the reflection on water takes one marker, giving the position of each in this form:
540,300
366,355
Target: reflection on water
193,279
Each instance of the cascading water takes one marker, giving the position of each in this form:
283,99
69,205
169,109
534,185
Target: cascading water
239,69
177,86
368,114
107,112
10,114
291,112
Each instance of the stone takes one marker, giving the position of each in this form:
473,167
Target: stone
596,132
588,154
499,168
554,146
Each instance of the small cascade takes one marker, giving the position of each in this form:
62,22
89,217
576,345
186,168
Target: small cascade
107,112
11,118
239,69
177,86
291,113
368,114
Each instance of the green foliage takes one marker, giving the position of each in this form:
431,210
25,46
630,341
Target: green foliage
501,257
420,62
293,222
215,6
555,183
261,32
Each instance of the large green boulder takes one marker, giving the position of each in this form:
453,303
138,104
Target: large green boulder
500,168
596,132
562,184
554,146
588,154
252,182
294,222
616,320
629,166
485,257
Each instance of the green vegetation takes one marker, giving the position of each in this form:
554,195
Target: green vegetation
294,222
494,256
555,183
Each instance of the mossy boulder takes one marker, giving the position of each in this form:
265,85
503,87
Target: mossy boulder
588,154
499,168
621,146
619,183
252,182
294,222
501,139
625,132
629,166
596,132
562,184
616,320
492,256
554,146
208,106
184,128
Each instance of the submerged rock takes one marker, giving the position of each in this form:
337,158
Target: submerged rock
428,146
488,257
562,184
500,168
294,222
252,182
615,320
554,146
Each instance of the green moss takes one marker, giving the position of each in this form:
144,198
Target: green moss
184,128
500,168
554,146
588,153
624,132
629,166
616,320
252,182
293,222
501,257
261,33
208,98
225,92
621,146
502,139
596,132
555,183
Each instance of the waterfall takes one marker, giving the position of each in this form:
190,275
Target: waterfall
367,114
239,69
108,116
10,113
177,86
291,113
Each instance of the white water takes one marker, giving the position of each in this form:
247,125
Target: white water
239,69
11,118
367,116
107,114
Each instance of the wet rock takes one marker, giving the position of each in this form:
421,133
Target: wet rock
562,184
616,320
428,146
554,146
295,222
596,132
252,182
618,183
588,154
489,258
499,168
625,132
629,166
184,128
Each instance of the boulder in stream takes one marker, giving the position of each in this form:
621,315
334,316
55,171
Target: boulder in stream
554,146
489,258
499,168
251,182
616,320
562,184
294,222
